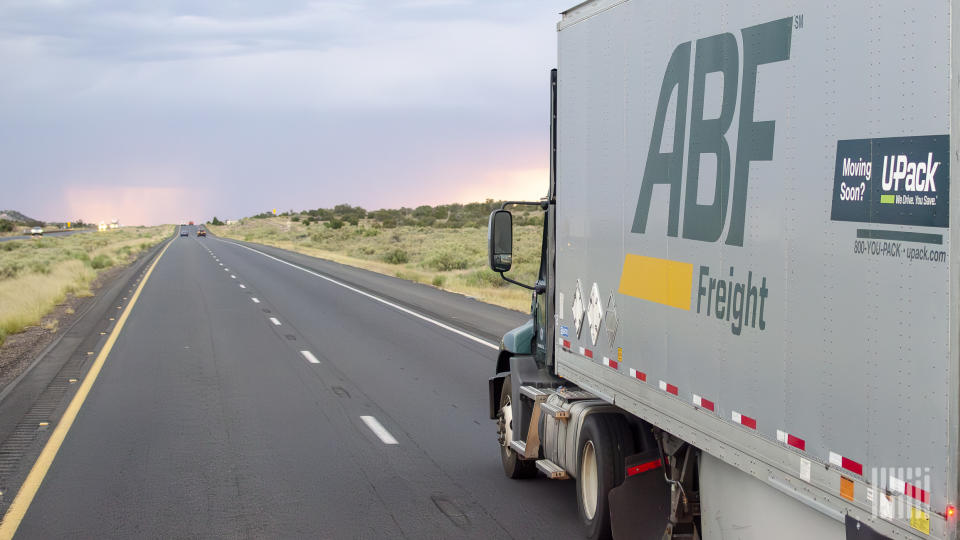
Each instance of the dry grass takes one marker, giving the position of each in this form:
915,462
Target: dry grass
36,275
450,259
26,299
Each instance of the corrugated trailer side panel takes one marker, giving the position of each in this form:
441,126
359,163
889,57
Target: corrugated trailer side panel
796,306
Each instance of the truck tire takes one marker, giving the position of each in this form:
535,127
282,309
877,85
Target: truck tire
513,466
605,440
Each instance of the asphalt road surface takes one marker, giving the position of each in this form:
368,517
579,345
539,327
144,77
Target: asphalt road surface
251,396
49,234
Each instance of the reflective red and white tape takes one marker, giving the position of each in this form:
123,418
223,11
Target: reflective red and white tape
791,440
704,403
846,463
743,420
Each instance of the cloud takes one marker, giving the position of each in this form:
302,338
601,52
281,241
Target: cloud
433,98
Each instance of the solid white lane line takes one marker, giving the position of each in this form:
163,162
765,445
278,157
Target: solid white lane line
242,286
378,430
310,357
275,321
377,298
255,300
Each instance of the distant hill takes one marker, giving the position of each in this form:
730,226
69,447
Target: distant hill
17,217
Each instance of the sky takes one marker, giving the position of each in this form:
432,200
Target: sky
158,112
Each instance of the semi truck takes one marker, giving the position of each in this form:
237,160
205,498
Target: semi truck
745,323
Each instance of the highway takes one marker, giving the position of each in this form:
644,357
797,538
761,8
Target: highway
49,234
253,392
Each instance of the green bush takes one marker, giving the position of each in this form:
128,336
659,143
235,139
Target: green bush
484,278
10,269
40,267
334,223
438,281
101,261
396,256
6,225
447,260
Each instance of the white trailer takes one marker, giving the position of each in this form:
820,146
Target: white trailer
746,322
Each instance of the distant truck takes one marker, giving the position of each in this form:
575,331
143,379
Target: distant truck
746,318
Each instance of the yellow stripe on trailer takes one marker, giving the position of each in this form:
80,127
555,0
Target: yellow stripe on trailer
658,280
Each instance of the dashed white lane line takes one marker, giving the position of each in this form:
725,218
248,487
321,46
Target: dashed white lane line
226,269
242,286
275,321
378,430
310,357
377,298
255,300
221,264
233,276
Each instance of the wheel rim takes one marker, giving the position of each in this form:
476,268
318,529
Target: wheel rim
588,480
506,421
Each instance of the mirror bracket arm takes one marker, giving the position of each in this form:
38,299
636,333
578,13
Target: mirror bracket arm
543,204
539,288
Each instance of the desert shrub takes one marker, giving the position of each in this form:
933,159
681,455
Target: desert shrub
40,267
396,256
447,260
438,281
334,223
484,278
101,261
10,269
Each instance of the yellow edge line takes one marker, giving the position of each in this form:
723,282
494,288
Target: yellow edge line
16,512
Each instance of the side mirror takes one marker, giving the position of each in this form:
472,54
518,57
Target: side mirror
500,240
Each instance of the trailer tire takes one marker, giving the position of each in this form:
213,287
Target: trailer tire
513,465
603,443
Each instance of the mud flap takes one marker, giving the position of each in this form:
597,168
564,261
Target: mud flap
640,506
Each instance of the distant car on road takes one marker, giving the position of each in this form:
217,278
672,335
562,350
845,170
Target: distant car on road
183,230
36,231
201,232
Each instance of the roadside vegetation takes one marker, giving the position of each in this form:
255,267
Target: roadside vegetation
37,274
443,246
